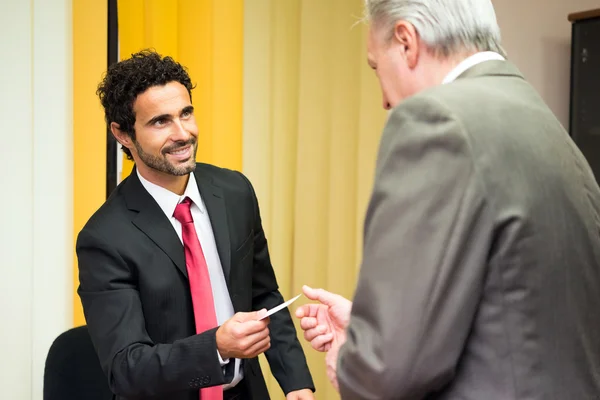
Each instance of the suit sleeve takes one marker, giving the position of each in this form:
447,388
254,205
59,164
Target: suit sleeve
135,366
427,236
286,357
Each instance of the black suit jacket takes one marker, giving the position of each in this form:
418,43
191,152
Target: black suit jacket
137,303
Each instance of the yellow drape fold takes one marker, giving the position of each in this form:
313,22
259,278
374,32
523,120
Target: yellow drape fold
89,129
312,121
206,37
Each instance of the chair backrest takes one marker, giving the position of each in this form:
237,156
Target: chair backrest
72,370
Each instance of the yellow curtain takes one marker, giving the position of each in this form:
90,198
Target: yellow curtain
206,37
89,129
312,122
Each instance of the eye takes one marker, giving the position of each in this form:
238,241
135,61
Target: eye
186,114
160,122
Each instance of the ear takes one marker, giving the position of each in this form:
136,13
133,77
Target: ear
406,34
121,136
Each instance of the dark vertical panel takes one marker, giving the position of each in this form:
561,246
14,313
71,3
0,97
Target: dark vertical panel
113,57
572,78
584,124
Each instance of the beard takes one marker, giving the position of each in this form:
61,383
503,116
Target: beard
162,164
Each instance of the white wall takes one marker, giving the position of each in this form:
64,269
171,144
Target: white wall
36,244
537,37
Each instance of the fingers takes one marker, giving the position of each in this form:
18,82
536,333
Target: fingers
321,295
302,394
321,342
258,347
309,292
249,330
310,334
242,339
312,329
249,340
317,335
245,324
308,310
302,311
261,313
308,323
249,316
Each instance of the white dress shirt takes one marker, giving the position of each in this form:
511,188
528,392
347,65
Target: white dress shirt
471,61
167,201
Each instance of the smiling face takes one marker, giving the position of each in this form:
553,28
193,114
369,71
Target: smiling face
166,135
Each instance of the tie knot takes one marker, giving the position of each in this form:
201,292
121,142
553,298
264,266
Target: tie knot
182,212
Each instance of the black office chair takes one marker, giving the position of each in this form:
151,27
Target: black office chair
72,370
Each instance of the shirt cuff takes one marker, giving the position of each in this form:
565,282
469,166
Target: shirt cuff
223,362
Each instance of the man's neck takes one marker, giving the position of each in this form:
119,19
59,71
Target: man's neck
172,183
446,65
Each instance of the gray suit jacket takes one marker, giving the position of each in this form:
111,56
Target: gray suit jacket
481,271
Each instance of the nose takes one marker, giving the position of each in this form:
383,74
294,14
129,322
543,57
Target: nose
385,102
179,132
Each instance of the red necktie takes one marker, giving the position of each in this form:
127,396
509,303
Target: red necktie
202,297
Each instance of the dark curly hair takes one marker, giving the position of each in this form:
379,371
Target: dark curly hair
125,80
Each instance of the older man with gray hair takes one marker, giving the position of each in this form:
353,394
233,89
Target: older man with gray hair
480,277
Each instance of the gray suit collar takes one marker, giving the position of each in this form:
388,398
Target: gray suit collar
492,68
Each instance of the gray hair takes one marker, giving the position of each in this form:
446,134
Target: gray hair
447,27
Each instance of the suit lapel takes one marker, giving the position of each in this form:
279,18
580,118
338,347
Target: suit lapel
212,196
153,222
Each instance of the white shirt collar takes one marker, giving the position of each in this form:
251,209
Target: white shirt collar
471,61
168,200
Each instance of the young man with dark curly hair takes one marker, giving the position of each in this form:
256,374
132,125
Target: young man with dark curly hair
174,268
